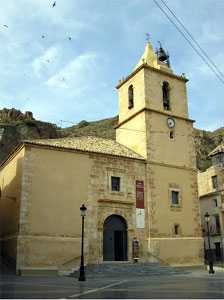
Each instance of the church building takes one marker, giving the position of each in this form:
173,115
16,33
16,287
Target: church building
142,186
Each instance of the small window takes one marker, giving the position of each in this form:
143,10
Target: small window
176,229
215,182
171,134
215,202
115,183
166,95
175,198
217,223
130,97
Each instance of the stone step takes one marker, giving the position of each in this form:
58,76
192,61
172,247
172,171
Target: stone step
132,269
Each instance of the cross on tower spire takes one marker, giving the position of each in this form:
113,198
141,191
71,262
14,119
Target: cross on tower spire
148,37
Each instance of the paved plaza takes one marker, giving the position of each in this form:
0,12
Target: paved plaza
169,283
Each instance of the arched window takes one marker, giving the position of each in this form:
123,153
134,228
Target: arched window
166,95
130,97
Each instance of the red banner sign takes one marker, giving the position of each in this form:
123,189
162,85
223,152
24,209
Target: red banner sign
139,194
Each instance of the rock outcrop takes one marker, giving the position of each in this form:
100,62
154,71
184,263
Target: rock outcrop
13,115
16,126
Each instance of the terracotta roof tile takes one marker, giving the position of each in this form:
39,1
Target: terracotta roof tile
89,144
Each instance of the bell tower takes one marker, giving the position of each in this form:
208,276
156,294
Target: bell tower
154,122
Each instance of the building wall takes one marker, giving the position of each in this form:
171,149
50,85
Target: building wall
153,92
10,186
188,243
179,151
205,180
103,202
208,198
171,164
139,96
133,134
54,185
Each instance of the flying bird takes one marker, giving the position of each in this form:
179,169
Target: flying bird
6,26
70,38
43,36
54,4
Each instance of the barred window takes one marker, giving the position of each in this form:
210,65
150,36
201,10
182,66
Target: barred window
175,198
115,183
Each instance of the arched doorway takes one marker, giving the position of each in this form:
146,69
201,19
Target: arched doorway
115,238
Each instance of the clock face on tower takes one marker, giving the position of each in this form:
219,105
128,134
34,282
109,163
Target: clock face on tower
170,122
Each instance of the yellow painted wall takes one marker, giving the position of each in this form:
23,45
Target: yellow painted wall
171,163
139,96
153,92
56,183
10,184
164,215
60,181
56,186
179,151
133,134
177,251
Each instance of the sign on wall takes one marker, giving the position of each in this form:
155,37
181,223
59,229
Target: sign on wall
140,211
139,194
140,218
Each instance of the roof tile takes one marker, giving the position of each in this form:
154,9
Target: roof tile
89,144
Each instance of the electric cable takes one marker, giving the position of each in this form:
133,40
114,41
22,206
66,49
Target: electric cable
211,67
193,39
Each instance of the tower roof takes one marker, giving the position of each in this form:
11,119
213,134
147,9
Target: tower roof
150,58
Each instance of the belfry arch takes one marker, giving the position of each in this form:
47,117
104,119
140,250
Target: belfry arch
115,238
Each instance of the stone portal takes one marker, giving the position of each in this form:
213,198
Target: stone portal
115,239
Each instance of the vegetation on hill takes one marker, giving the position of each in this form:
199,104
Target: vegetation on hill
103,128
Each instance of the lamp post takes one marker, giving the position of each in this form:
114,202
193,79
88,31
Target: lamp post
81,269
210,256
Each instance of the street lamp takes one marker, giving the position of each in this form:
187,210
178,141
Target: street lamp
81,269
210,256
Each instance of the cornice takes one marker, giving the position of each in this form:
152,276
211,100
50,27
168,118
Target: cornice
152,69
168,114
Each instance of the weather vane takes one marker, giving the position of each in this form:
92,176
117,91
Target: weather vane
148,36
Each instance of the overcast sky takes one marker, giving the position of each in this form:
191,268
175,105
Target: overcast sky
63,62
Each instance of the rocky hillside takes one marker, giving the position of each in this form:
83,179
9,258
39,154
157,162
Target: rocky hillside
16,126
